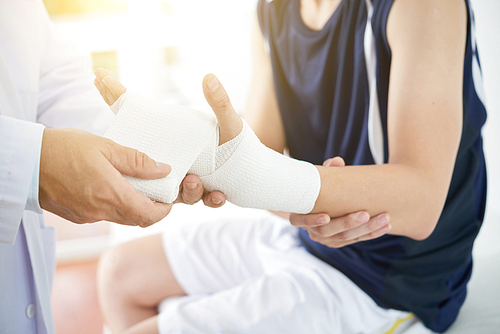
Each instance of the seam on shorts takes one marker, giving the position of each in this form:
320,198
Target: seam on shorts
398,323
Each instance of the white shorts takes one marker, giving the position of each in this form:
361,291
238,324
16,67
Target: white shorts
252,276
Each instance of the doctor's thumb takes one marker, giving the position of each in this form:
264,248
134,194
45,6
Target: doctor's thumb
230,123
131,162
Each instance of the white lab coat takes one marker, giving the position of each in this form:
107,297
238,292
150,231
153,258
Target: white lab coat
43,80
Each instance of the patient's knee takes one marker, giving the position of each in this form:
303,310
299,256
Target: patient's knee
115,272
138,273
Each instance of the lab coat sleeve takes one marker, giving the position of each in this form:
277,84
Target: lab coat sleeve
33,203
20,143
67,96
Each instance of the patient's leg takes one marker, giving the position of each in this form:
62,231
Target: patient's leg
133,279
250,275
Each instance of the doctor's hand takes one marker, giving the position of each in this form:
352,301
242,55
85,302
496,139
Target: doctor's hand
191,189
81,179
342,231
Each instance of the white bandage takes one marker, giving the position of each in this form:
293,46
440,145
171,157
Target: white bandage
244,169
172,135
255,176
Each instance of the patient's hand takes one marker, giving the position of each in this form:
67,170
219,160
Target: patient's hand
110,88
342,231
230,123
191,189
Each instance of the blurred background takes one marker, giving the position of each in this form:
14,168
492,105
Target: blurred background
163,48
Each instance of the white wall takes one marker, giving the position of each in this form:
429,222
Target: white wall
488,37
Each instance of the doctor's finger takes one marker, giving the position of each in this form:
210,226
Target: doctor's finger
136,209
138,216
230,123
134,163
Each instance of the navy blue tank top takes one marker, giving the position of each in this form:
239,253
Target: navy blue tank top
332,89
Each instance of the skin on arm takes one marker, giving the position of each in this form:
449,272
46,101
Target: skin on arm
427,40
262,111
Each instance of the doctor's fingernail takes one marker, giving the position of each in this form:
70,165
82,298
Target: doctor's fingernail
213,83
163,166
191,186
363,217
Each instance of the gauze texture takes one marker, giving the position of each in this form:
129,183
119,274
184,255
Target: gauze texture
173,135
245,170
255,176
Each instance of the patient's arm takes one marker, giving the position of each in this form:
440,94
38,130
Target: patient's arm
237,163
424,127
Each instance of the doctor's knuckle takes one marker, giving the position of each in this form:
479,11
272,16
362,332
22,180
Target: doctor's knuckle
90,215
140,159
108,146
147,219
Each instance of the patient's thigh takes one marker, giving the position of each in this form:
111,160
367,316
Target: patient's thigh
208,257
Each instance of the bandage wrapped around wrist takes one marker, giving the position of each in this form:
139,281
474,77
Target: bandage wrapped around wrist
245,170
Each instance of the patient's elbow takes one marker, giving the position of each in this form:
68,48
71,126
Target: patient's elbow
422,233
426,212
425,227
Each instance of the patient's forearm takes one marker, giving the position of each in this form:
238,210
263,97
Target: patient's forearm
252,175
412,197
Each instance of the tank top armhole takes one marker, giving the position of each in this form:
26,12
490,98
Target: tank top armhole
381,11
263,17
